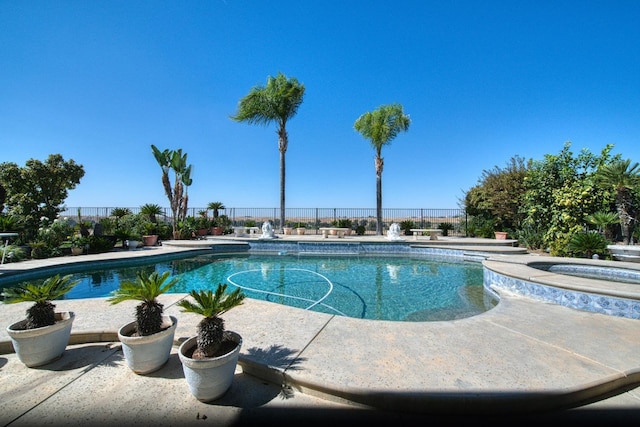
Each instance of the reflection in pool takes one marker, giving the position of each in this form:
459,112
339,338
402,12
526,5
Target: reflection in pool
367,287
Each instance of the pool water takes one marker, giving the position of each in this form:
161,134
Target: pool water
365,287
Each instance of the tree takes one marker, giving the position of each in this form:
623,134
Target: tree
623,178
216,207
497,198
560,193
380,127
39,189
278,102
178,195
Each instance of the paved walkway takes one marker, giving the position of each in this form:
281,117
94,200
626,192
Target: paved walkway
521,362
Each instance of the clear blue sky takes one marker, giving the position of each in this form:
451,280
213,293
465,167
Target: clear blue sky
483,81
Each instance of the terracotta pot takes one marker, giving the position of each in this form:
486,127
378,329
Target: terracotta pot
501,235
150,240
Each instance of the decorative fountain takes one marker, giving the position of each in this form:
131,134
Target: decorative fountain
267,230
393,233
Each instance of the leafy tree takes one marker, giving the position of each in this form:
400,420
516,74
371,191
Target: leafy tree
560,193
174,160
39,189
278,102
623,178
497,199
380,127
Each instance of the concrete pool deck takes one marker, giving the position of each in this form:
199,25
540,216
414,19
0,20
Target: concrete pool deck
524,360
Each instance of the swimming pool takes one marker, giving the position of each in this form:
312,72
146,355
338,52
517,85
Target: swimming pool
398,288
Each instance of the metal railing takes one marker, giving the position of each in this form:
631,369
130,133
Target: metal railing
310,218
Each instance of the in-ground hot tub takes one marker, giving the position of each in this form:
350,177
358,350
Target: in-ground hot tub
601,286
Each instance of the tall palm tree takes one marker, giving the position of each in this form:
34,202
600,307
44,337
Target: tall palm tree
178,195
623,178
380,127
278,102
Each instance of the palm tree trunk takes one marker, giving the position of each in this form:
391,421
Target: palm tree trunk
379,205
282,181
379,167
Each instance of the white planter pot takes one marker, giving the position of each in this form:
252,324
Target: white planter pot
145,354
209,379
37,347
132,244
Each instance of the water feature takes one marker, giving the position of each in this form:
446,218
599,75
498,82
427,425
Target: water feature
393,233
267,230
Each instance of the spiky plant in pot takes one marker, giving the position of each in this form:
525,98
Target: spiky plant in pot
146,288
211,331
41,313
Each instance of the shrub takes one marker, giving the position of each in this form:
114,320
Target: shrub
587,244
12,253
445,227
406,227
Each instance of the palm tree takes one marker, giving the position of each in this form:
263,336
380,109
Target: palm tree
178,195
215,207
145,289
211,306
278,102
623,178
603,220
151,210
380,127
41,313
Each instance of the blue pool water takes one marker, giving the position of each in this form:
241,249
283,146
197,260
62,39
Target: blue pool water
367,287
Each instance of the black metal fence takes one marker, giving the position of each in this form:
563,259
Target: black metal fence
311,218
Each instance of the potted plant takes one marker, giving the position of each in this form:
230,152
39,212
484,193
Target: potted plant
150,236
288,228
43,336
134,241
202,223
217,227
79,244
147,341
301,228
209,359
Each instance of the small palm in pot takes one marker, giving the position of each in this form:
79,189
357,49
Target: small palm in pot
146,289
42,312
211,330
